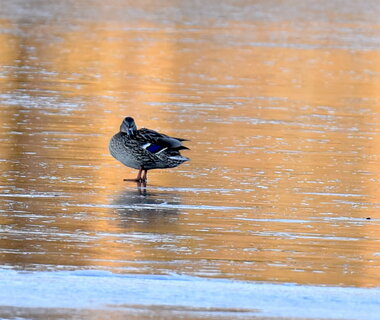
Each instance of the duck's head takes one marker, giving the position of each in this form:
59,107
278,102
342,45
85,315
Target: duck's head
128,126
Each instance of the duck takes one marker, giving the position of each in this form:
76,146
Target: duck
145,149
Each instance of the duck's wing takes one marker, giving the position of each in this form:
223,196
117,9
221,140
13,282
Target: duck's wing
156,142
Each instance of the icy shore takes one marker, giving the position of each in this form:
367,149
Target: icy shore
108,291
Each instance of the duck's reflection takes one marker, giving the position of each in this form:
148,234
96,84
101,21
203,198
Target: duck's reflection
147,206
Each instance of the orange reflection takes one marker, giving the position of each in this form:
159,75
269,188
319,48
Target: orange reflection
275,133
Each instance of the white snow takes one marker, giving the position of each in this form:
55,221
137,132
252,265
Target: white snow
104,290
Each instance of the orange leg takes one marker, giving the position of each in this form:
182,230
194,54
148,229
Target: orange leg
138,179
141,185
144,175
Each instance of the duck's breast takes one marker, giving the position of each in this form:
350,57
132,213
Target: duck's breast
124,152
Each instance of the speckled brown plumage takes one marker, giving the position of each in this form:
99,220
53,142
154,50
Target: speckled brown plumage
145,149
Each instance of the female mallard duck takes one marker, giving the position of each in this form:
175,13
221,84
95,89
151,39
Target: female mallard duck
145,149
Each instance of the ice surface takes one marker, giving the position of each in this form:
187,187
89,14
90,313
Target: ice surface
104,290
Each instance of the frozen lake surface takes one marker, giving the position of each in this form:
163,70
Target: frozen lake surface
276,214
174,296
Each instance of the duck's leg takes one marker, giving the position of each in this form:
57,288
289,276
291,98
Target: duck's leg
139,175
141,187
144,175
138,179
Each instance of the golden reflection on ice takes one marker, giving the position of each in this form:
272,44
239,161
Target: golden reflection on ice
278,134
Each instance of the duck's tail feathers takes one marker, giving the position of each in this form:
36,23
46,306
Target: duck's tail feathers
181,148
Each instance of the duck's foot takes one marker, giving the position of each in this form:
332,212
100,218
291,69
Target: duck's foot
135,180
139,177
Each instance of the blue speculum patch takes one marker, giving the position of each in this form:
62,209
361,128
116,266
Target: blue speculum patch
154,148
